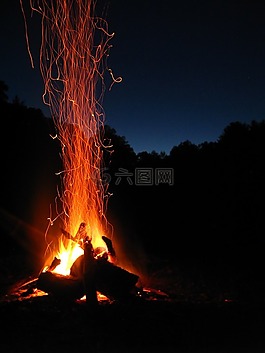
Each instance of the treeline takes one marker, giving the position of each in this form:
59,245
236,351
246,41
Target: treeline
199,203
215,207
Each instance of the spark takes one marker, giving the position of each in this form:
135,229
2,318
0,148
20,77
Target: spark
73,54
26,34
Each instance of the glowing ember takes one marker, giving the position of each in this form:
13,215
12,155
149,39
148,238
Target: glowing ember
74,48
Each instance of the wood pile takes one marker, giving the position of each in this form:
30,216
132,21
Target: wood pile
90,274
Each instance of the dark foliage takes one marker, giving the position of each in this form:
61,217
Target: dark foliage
212,217
29,160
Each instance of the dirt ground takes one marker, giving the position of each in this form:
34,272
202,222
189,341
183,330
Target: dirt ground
150,323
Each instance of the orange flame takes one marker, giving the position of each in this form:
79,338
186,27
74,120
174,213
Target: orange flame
74,48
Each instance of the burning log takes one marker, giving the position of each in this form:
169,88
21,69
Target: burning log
109,245
89,274
54,264
111,280
59,286
98,276
115,282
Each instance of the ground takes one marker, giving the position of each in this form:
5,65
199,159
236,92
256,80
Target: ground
154,322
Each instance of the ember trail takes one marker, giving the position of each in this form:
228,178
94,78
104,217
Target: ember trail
73,54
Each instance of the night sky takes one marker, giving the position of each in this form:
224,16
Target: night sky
189,68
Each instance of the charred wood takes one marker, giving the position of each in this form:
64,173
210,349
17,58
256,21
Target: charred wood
111,280
77,269
109,245
56,262
63,287
89,274
115,282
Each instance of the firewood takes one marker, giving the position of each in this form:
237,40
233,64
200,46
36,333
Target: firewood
59,286
89,274
56,262
115,282
109,245
77,269
110,280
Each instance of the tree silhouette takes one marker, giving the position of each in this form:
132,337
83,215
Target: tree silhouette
3,92
120,154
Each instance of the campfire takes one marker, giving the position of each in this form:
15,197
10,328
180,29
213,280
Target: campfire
80,261
93,276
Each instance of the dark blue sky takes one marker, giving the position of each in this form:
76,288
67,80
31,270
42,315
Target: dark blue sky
189,68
